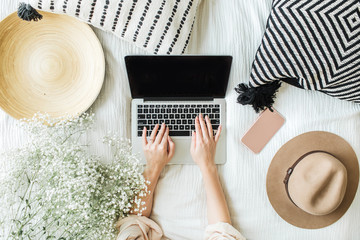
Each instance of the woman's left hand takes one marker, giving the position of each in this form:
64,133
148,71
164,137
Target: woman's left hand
159,149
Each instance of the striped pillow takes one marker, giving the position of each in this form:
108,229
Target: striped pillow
312,44
158,26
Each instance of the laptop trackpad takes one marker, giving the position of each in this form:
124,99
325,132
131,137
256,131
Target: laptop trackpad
182,152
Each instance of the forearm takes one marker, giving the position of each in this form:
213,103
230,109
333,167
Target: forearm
151,175
217,208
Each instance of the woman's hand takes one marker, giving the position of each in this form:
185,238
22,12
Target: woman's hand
159,149
203,146
203,143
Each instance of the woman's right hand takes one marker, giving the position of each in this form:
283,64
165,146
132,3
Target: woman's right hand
203,143
159,149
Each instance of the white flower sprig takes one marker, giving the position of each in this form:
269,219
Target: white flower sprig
54,189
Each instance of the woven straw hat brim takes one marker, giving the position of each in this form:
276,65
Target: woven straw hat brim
55,66
292,151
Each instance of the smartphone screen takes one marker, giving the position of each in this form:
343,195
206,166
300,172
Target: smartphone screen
264,128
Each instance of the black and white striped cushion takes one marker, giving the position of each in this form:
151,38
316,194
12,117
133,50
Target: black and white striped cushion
158,26
313,44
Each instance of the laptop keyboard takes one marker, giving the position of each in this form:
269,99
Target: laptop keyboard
180,118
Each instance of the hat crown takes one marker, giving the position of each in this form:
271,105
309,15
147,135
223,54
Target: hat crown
291,154
318,183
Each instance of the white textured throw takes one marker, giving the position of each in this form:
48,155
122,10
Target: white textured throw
158,26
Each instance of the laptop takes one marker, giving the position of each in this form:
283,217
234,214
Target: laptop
174,90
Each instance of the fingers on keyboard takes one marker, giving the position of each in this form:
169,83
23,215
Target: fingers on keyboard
178,117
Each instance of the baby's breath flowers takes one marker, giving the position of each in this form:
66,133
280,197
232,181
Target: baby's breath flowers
52,188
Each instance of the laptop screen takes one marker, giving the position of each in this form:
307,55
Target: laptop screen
178,76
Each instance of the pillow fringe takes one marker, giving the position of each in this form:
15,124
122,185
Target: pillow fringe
27,12
260,97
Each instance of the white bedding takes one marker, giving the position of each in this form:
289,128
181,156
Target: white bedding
232,27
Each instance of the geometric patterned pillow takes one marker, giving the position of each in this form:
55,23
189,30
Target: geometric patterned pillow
157,26
312,44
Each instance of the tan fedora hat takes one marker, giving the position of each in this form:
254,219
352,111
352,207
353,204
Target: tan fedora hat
54,66
312,179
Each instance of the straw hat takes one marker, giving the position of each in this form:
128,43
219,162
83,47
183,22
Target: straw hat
54,66
312,180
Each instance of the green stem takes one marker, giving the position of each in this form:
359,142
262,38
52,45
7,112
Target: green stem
26,207
30,187
18,210
62,234
30,218
35,225
29,191
67,229
67,138
47,226
57,229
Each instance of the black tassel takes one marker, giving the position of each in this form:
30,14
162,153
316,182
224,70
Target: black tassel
27,12
259,97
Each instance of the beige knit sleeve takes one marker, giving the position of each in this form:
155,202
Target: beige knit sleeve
138,227
222,231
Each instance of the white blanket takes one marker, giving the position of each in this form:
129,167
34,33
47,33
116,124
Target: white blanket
232,27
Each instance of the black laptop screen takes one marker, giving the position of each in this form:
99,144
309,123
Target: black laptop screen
178,76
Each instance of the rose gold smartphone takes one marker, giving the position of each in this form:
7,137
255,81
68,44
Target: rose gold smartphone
264,128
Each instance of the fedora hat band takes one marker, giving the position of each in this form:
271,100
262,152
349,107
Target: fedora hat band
291,170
